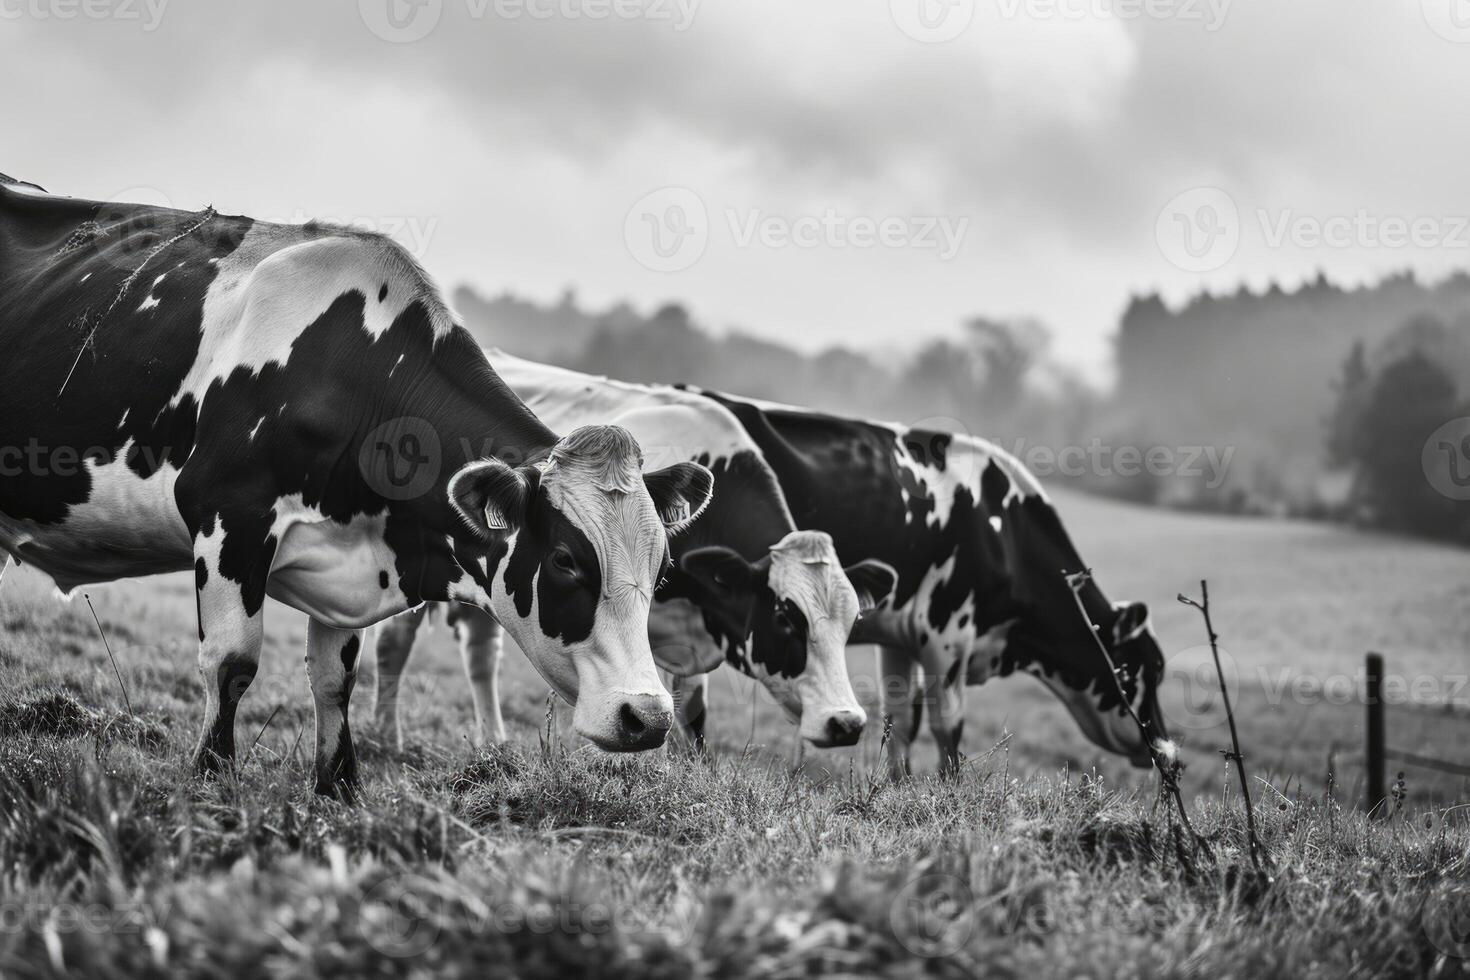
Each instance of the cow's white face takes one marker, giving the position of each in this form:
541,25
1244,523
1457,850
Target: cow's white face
574,579
801,607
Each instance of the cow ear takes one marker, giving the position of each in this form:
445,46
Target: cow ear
874,581
680,493
721,571
493,498
1132,619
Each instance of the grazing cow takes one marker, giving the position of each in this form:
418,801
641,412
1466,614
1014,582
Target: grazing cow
980,553
292,411
746,585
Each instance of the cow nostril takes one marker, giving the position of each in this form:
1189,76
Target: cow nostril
843,730
628,718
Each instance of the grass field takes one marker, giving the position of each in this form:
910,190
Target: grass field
548,858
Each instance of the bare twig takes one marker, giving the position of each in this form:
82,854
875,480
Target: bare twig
259,734
1168,768
108,647
1234,755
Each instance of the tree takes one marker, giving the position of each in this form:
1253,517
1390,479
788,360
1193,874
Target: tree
1353,389
1411,398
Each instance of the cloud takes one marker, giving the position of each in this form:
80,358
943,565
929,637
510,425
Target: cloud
1058,137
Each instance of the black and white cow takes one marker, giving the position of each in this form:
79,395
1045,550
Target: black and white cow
980,553
746,585
292,411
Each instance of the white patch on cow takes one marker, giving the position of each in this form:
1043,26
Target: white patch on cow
85,278
124,420
682,644
128,526
256,428
281,278
330,570
670,425
995,523
985,652
149,303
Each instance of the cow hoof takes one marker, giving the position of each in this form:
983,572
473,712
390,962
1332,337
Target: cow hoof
341,790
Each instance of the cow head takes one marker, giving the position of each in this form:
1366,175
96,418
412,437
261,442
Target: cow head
1041,630
576,547
797,604
1056,647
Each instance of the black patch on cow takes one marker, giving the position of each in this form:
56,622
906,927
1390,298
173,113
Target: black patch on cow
337,777
382,292
232,678
201,577
953,673
748,515
349,653
383,579
566,604
778,635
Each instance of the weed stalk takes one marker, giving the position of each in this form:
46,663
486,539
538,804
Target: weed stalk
1168,769
1234,755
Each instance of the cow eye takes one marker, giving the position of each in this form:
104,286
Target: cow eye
562,561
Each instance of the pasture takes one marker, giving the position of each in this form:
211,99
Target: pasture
548,858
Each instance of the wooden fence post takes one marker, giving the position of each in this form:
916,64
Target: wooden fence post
1375,756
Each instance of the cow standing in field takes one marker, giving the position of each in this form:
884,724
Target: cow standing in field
746,585
980,553
292,411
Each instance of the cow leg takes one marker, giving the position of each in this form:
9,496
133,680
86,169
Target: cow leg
691,703
229,655
331,666
394,642
481,646
944,693
896,670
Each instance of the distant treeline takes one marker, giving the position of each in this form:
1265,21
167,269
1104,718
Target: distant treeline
1303,402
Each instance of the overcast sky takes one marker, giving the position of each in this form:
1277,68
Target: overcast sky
863,172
